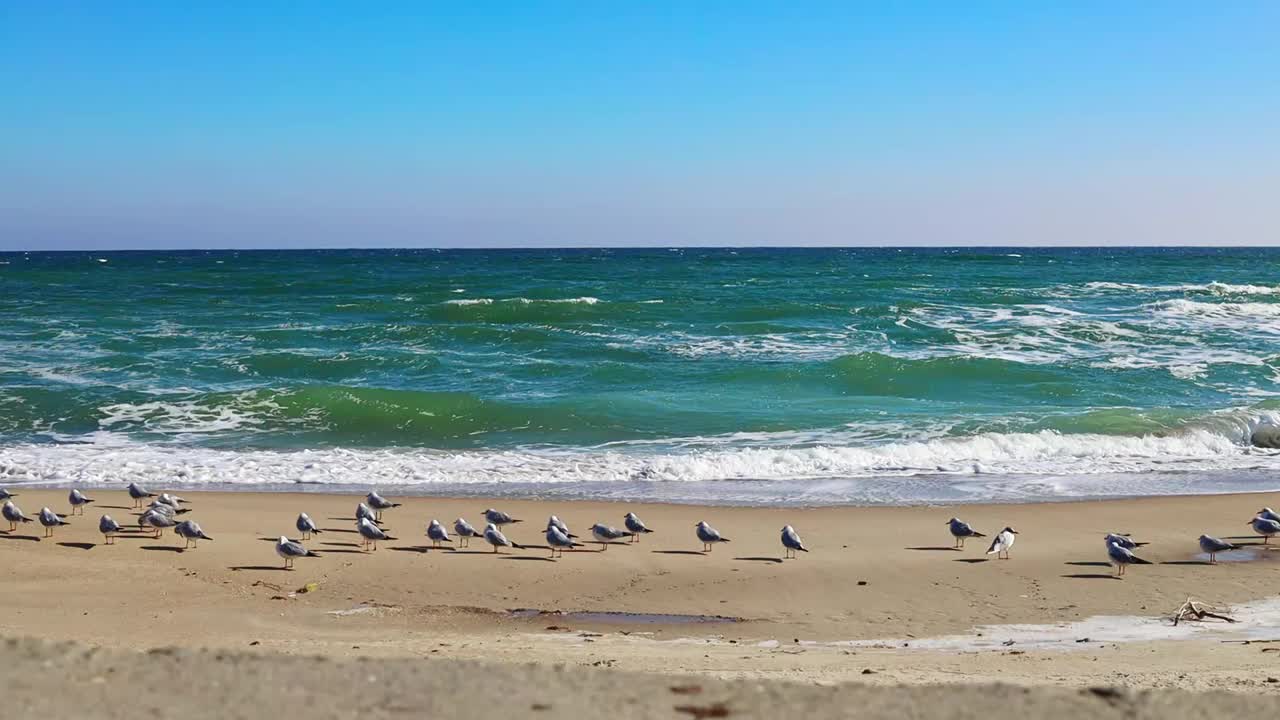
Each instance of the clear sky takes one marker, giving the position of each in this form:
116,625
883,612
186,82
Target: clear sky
265,124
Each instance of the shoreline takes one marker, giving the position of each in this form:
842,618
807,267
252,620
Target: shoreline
872,574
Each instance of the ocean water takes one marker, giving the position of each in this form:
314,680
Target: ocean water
719,375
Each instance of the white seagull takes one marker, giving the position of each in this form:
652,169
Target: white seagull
13,514
306,526
1123,557
379,503
708,535
5,494
109,529
465,532
437,533
78,500
494,537
1123,541
50,520
558,524
961,530
635,525
191,532
156,521
290,551
371,533
1264,527
1004,540
557,540
497,517
364,512
1269,514
1213,546
605,534
138,494
791,542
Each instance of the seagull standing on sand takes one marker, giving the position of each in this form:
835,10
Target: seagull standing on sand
290,551
605,534
172,501
497,517
1264,527
791,542
1122,557
109,529
5,494
191,532
1123,541
13,514
465,532
50,520
961,530
1269,514
708,535
379,503
494,537
138,494
364,512
78,500
558,540
306,526
157,521
1213,546
437,533
558,524
371,533
1004,540
635,525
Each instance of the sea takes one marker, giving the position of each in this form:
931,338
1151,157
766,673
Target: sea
738,376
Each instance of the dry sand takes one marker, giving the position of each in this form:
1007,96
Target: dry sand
872,573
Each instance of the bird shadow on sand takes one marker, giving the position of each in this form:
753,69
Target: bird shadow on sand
117,507
421,549
79,545
528,557
678,552
972,561
277,568
1254,538
464,551
328,550
759,559
342,530
164,548
935,548
1091,576
340,544
1088,563
6,536
1186,562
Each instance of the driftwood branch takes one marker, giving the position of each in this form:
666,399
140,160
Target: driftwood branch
1195,610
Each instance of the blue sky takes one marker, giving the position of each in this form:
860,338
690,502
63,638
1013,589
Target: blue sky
147,125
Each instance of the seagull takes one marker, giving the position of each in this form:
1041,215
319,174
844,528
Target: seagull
78,501
1122,557
708,535
1213,546
50,520
157,521
167,509
494,537
191,531
171,500
1004,540
465,532
290,551
961,530
109,528
635,525
370,532
364,512
5,494
558,540
13,514
497,517
1269,514
1264,527
791,542
379,503
1123,541
605,534
437,533
558,524
306,526
138,494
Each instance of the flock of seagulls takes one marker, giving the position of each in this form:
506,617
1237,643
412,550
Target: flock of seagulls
161,511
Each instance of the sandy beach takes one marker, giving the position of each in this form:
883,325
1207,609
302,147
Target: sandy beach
885,574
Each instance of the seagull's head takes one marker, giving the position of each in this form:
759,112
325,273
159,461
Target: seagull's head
952,521
283,540
1265,511
701,524
1011,531
630,516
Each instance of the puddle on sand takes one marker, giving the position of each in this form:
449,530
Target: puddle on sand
623,618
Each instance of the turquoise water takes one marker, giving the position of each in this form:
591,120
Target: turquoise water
812,376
